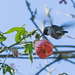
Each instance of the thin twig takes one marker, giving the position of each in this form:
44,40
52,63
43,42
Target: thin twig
49,72
69,36
70,61
11,56
73,2
65,46
11,45
46,66
6,58
48,11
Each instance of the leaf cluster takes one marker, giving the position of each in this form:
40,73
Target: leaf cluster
29,48
6,68
21,34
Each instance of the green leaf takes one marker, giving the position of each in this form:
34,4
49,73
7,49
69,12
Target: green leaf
29,48
26,48
2,37
7,68
63,74
4,71
31,55
23,25
20,32
17,37
13,29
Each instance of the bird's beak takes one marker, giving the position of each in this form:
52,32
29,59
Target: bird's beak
65,31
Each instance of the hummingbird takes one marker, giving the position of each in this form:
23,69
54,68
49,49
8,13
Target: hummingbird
56,31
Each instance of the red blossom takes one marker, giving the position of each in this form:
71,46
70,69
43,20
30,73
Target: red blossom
43,49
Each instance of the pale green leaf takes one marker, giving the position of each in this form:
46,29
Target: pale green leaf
2,37
29,48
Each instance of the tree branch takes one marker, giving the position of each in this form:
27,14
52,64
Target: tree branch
65,46
32,19
11,45
18,41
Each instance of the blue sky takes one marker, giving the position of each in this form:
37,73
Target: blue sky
14,13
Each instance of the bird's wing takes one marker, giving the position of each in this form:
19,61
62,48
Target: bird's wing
68,24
